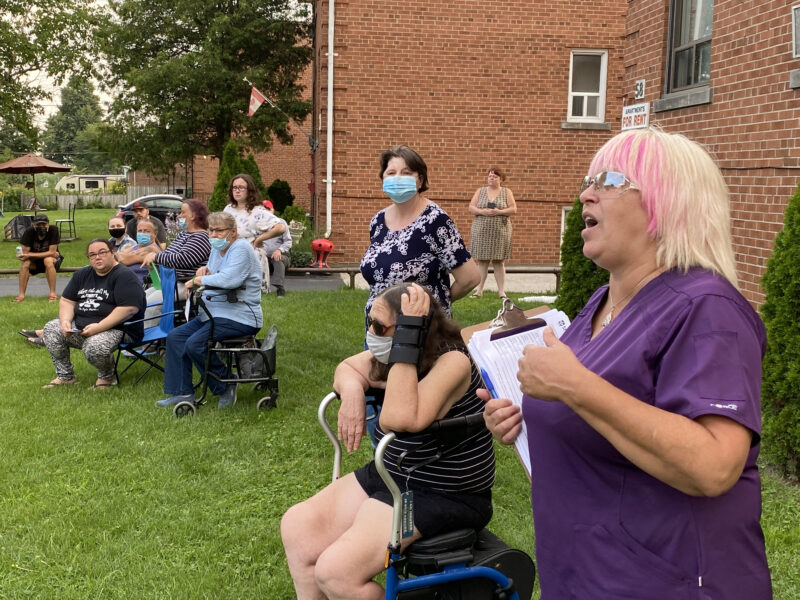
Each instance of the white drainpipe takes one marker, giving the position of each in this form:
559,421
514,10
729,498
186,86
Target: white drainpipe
329,137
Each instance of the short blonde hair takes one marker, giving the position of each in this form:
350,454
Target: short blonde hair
683,194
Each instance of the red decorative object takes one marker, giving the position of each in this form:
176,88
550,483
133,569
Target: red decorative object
322,248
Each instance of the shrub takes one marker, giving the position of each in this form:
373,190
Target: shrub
280,192
295,213
780,394
12,198
580,277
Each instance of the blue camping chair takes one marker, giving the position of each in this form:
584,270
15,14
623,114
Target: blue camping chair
151,348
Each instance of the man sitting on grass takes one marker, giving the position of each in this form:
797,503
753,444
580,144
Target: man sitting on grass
39,255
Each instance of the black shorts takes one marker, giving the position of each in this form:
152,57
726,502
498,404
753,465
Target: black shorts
37,265
434,512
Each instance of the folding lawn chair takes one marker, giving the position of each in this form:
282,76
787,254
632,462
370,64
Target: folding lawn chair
151,348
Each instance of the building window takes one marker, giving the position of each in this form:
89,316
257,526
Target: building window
91,184
70,186
690,47
796,31
587,86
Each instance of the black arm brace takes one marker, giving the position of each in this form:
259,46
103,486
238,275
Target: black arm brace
409,338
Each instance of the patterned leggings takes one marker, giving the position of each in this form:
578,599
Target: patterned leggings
98,349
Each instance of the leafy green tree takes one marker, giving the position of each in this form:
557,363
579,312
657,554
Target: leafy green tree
69,134
40,37
580,277
780,391
178,68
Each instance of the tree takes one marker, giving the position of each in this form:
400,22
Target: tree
69,134
177,67
580,277
780,393
39,39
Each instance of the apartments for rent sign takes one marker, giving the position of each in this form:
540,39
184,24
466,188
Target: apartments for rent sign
635,116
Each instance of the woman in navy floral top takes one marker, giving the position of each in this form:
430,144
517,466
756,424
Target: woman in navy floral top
414,240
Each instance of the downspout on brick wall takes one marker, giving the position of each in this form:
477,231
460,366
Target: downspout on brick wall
329,135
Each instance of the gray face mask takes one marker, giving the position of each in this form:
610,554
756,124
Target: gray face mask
380,346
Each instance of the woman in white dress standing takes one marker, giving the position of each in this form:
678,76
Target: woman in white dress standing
253,222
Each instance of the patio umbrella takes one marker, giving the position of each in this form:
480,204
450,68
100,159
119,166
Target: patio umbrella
30,164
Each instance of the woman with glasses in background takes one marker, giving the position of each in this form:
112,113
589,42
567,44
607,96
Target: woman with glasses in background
644,419
235,304
97,301
254,222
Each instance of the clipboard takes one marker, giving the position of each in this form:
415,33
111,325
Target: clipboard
518,318
510,320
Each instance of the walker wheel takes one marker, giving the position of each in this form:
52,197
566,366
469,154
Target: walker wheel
268,402
183,409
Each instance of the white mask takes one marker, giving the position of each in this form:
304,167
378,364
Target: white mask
380,346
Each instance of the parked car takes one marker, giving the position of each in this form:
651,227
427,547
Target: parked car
159,205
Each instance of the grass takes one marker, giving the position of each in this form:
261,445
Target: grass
104,495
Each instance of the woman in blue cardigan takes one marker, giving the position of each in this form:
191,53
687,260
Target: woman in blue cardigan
232,265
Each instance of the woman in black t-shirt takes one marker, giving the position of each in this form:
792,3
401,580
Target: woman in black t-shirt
96,302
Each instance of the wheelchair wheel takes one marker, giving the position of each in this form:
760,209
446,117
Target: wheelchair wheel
183,409
268,402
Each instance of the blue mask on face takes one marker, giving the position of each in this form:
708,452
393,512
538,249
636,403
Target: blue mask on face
182,223
400,188
142,238
218,243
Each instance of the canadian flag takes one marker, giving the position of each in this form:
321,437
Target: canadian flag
256,100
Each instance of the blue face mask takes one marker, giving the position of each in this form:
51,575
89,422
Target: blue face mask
142,238
218,243
400,188
182,223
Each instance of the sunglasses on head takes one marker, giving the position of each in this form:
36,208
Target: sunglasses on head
377,327
607,180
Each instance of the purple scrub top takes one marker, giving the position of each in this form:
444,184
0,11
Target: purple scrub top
689,344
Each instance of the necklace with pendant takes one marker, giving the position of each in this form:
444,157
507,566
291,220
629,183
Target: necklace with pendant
607,320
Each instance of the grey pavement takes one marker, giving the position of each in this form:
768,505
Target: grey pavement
515,282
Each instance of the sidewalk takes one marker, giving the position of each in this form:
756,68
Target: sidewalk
515,282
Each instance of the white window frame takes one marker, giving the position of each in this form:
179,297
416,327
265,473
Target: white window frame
601,95
564,213
796,31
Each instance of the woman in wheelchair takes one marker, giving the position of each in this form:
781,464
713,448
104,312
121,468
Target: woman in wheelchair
336,541
234,269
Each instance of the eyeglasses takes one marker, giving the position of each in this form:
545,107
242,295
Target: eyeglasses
607,180
93,255
219,229
239,188
377,327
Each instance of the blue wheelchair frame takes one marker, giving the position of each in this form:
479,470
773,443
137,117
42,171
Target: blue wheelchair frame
457,567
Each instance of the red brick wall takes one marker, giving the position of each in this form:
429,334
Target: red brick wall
752,126
468,85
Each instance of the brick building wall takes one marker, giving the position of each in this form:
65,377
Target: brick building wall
468,85
752,124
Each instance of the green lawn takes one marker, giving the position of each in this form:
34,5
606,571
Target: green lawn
106,496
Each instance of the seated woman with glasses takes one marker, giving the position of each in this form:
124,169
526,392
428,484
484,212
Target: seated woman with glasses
335,542
234,273
97,301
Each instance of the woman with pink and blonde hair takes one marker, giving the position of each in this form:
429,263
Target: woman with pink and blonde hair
644,418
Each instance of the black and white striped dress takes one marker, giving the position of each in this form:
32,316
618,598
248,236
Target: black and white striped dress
467,466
